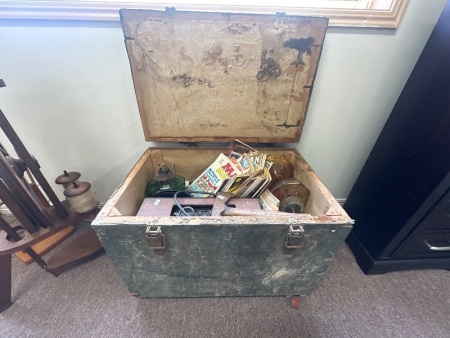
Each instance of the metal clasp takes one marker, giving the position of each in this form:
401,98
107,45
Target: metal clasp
156,238
294,237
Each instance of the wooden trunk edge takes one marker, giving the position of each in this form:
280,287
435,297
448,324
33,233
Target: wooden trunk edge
219,221
110,203
131,194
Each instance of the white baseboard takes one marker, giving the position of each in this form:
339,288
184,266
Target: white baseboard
341,201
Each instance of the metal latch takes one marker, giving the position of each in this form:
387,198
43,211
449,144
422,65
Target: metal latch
294,237
156,238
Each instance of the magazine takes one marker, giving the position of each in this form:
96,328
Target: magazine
238,148
268,201
240,170
213,178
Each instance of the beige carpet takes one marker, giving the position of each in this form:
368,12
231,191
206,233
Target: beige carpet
91,301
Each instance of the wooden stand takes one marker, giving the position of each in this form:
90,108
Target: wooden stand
80,250
47,244
35,220
5,282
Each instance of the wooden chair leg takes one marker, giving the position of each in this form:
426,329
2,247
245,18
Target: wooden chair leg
5,282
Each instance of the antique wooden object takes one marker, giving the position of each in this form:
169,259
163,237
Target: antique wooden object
33,219
401,199
46,245
213,77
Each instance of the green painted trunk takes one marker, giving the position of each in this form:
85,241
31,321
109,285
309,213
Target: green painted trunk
222,260
215,77
219,256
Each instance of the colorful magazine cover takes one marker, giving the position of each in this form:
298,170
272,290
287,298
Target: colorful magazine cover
213,178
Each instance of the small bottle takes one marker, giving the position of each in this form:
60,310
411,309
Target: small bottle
164,180
292,194
280,168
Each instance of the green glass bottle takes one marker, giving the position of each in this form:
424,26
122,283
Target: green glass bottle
164,180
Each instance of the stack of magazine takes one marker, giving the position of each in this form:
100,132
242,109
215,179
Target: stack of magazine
241,170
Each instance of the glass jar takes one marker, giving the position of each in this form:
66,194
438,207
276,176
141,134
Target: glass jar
280,168
292,194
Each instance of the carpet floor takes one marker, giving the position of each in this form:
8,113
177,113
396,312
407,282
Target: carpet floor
91,300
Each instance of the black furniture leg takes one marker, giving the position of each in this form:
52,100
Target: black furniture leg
5,282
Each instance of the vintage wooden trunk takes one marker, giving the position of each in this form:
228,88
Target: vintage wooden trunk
214,77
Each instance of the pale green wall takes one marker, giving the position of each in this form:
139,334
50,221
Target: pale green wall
70,97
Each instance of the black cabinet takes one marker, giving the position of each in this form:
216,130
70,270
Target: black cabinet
401,199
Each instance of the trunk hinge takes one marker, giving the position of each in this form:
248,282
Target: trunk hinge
190,144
